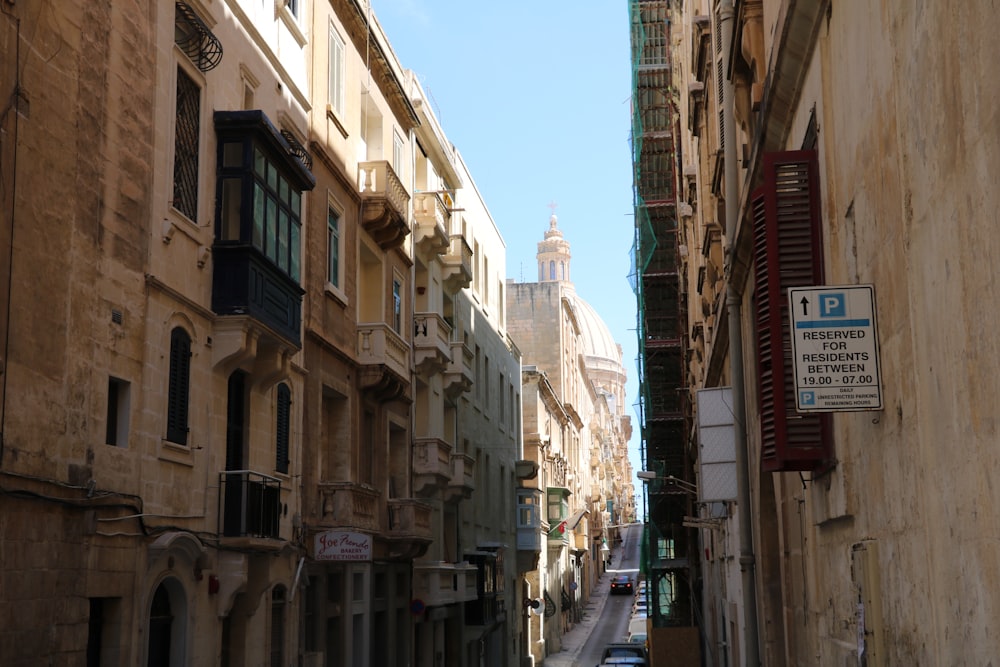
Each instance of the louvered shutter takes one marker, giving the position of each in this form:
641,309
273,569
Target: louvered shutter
788,253
281,444
178,383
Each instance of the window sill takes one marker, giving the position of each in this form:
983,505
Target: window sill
335,294
292,23
175,220
331,115
171,451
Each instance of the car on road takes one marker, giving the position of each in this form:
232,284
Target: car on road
640,606
627,660
621,585
623,650
636,627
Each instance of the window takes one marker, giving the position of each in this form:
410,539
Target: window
397,154
333,248
397,306
250,84
785,213
278,626
367,450
187,125
236,420
527,509
116,423
167,622
256,256
273,214
486,282
177,392
103,630
161,620
293,7
336,73
282,428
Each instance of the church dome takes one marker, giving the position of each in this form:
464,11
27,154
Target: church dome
600,343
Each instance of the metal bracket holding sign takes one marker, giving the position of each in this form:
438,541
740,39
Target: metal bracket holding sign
835,348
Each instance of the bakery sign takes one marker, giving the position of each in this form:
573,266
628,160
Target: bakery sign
343,546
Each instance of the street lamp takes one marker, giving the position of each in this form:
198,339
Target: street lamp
684,486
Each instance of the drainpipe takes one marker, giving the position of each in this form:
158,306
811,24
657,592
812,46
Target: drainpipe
734,301
8,280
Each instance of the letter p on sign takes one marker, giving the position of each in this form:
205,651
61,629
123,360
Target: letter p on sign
832,305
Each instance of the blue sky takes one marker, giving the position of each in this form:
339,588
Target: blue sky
535,96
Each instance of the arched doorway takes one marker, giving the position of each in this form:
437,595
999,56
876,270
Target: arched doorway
167,622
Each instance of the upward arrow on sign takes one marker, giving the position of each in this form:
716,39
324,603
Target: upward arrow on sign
805,306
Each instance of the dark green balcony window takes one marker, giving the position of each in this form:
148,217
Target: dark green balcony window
261,175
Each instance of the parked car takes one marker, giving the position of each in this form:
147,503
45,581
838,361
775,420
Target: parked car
621,585
623,650
636,626
640,606
638,638
625,660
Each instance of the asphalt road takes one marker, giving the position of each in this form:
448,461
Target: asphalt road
612,625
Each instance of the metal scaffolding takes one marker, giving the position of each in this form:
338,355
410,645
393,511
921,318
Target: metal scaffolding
670,549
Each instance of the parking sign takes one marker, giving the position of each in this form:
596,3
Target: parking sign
835,348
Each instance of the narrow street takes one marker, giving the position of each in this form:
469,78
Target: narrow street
606,616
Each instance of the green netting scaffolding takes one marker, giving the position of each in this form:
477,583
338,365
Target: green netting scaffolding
669,548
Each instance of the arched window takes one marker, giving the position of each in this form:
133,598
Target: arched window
161,619
552,270
284,409
178,390
165,644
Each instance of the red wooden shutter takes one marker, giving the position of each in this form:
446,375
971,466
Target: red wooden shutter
788,252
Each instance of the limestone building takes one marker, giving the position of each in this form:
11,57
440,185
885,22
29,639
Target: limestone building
576,433
808,164
153,187
255,372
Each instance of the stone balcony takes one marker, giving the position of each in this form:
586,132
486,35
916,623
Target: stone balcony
439,583
349,505
431,343
459,374
432,466
457,264
463,477
385,360
409,528
432,218
384,204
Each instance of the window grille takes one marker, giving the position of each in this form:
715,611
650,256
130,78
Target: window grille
187,128
179,381
297,150
194,38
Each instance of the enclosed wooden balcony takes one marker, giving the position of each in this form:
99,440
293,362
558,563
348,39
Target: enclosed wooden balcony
431,343
432,219
384,204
